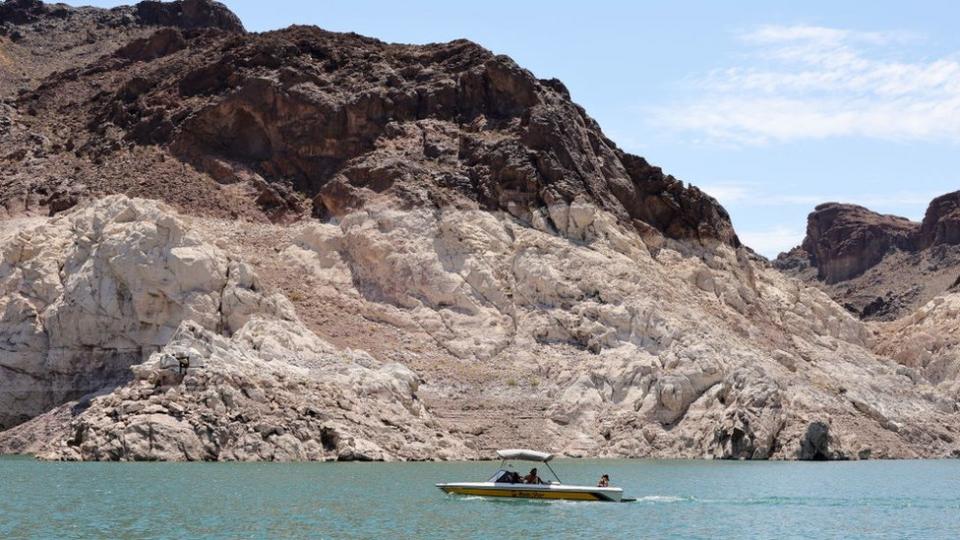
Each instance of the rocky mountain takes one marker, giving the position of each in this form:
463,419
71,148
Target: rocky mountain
308,245
879,266
317,122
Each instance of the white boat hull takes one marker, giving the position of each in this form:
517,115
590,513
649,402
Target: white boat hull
534,491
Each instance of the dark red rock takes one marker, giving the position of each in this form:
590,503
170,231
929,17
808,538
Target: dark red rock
427,123
844,240
23,11
342,118
879,266
161,43
941,224
188,14
62,201
278,199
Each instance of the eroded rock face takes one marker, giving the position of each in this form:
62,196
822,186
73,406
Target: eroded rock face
42,39
879,266
926,342
163,42
666,355
22,11
632,351
815,445
186,14
220,370
272,392
102,287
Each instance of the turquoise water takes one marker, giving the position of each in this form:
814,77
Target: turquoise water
677,499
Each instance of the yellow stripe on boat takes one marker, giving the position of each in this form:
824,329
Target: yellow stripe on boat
525,493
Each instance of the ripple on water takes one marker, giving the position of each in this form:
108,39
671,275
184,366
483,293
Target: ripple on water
675,499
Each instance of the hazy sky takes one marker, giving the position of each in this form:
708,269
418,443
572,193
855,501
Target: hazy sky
772,107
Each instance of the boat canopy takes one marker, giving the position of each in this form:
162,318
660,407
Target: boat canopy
524,455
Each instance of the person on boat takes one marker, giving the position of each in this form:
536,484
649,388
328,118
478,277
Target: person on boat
513,477
532,478
604,481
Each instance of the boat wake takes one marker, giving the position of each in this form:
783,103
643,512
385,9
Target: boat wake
663,499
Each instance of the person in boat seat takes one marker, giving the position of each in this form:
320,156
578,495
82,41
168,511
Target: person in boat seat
532,478
604,481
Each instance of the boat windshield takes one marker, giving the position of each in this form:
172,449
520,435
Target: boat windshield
504,476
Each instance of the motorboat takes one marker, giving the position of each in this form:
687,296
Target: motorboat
508,483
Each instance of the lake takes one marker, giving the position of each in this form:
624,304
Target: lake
677,499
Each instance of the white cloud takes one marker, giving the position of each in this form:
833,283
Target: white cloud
779,238
755,194
771,243
745,194
809,82
775,33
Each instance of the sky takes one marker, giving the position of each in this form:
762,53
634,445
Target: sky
770,106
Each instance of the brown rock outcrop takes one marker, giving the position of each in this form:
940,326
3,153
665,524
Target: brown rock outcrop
163,42
844,240
941,223
344,118
188,14
879,266
23,11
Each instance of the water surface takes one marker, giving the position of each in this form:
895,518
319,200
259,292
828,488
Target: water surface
677,499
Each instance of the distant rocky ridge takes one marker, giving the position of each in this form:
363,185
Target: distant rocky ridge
879,266
38,39
186,14
379,251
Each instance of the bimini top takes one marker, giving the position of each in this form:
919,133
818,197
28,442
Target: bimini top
524,455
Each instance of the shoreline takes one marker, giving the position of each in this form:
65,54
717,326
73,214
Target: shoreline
31,457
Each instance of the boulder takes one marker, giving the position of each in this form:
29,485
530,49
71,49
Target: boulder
188,14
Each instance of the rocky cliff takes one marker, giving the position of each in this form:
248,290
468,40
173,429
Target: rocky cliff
879,266
87,295
486,331
220,370
381,251
304,120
